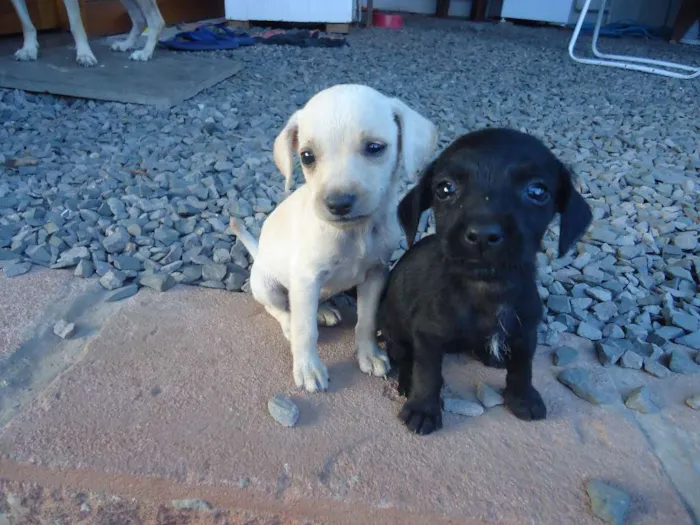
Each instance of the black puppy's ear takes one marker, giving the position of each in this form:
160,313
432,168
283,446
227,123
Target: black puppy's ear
575,212
415,203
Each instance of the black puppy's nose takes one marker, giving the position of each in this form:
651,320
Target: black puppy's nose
485,235
340,204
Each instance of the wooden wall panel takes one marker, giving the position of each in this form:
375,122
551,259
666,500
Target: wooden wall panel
104,17
44,15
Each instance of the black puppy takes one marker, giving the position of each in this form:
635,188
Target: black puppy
471,286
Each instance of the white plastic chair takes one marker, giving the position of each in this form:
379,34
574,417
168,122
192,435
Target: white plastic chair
623,61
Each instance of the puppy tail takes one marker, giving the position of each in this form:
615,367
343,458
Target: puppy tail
240,231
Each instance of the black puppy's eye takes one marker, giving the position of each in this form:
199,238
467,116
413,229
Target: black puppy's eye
374,148
537,193
307,157
444,190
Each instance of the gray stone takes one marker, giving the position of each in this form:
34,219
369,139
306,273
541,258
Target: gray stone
605,311
640,400
564,355
693,402
116,242
234,281
166,235
690,340
609,352
127,262
112,280
559,304
197,505
601,294
214,272
84,269
687,241
221,256
580,382
122,293
631,359
655,368
589,331
64,329
172,267
74,255
685,320
681,363
39,254
157,281
607,503
283,410
462,407
612,331
488,396
212,284
15,268
190,274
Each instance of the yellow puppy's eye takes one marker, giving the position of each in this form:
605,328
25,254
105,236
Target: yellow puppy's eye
307,157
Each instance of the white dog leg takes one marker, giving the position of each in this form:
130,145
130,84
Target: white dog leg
309,371
30,48
371,358
84,55
138,24
273,298
155,22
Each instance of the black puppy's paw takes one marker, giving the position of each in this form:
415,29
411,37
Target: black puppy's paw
421,418
528,406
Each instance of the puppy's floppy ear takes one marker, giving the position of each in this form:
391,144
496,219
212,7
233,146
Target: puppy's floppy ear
418,137
575,212
283,150
416,201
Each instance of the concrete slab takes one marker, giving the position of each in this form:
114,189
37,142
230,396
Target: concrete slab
174,388
24,302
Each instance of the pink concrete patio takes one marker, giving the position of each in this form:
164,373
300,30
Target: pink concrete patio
163,397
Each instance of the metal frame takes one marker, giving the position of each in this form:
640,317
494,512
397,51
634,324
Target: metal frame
623,61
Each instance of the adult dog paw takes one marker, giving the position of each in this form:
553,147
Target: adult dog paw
85,58
372,360
421,418
27,53
141,55
528,406
311,375
122,45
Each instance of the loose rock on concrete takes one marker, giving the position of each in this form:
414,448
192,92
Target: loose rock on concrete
640,400
283,410
64,329
607,503
580,382
462,407
488,396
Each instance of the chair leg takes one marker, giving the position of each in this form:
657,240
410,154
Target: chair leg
623,61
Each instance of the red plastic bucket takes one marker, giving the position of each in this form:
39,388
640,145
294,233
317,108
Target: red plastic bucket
387,20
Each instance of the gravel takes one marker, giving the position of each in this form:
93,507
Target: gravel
608,503
283,410
136,191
